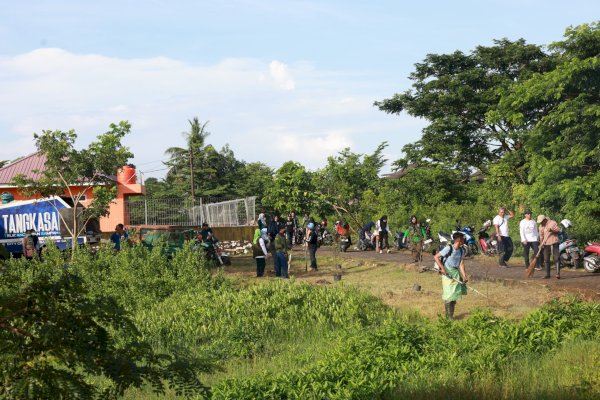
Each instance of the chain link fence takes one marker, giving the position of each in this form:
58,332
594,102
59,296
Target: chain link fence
185,212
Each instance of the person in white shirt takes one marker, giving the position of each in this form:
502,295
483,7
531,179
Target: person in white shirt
506,245
529,237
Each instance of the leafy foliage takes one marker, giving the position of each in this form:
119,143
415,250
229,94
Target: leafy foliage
291,189
61,340
373,363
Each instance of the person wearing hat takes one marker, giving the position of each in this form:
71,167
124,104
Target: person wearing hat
259,250
281,253
549,238
504,240
529,237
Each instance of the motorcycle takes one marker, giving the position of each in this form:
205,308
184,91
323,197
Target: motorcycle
488,244
470,243
591,257
299,235
343,234
399,242
365,242
214,253
323,236
446,239
569,252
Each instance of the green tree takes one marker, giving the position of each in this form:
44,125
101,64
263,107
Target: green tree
347,178
255,179
58,341
182,161
291,189
219,173
89,168
454,92
563,144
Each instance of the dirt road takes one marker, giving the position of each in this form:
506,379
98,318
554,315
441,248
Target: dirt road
486,268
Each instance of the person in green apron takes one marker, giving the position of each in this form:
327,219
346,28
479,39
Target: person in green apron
451,263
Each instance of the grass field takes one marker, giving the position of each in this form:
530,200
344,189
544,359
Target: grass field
504,347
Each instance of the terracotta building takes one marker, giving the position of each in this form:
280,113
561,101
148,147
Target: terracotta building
126,181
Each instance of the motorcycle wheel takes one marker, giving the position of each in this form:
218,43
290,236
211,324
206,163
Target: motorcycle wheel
591,266
361,246
474,249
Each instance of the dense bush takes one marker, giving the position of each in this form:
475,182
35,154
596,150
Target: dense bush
372,364
63,335
240,323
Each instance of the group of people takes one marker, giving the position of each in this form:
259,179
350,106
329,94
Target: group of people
540,236
276,239
542,240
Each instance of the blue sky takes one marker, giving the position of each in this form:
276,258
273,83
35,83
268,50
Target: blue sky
278,80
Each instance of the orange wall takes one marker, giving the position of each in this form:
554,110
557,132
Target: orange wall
74,189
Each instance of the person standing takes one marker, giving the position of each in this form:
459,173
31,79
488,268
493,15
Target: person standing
273,231
501,224
119,236
529,237
290,229
549,230
415,237
311,243
259,250
281,254
383,232
451,262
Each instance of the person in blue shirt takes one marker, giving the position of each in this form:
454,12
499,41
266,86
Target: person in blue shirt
119,235
451,263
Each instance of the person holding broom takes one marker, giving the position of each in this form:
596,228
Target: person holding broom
450,261
549,238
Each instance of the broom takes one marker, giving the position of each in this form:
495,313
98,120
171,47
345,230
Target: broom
531,268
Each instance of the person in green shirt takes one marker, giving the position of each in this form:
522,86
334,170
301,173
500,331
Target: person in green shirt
415,234
281,254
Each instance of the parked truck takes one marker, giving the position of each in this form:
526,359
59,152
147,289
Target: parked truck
48,217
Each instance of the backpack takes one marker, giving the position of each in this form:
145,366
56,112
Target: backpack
443,259
29,246
257,250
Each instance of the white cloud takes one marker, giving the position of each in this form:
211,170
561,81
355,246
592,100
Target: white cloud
281,75
268,111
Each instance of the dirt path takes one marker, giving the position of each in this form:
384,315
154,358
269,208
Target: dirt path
486,268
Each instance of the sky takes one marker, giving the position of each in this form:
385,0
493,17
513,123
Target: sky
276,80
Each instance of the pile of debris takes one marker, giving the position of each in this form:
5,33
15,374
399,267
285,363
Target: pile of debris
236,246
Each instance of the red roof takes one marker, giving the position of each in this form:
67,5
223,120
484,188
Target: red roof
25,166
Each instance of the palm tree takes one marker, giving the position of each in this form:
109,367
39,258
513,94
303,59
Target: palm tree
181,157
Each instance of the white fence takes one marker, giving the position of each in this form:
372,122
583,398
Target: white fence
184,212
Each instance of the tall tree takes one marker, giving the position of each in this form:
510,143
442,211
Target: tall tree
291,189
455,92
348,178
182,159
563,145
